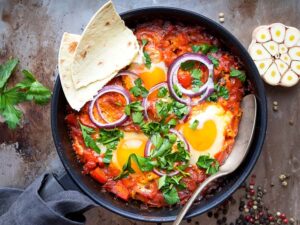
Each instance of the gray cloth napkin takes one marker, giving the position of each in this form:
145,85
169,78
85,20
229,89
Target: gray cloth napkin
44,202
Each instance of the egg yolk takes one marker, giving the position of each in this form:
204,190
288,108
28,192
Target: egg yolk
203,137
128,146
153,77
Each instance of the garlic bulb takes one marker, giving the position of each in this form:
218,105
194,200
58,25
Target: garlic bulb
275,50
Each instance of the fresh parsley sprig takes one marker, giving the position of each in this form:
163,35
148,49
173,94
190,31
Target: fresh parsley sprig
88,140
219,91
147,58
204,48
29,89
211,165
139,89
240,74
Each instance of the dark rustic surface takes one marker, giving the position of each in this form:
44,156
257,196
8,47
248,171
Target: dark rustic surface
31,30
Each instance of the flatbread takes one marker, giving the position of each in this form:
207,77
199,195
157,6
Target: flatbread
106,47
75,97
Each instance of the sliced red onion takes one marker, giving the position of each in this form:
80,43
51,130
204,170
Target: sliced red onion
173,79
147,152
145,100
108,89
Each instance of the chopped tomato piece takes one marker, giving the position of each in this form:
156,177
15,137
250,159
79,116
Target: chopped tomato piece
99,175
185,79
118,188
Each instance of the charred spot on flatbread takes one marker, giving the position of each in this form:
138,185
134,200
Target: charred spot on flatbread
73,46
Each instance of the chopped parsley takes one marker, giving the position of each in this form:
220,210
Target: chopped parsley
29,89
214,60
144,42
204,48
88,140
210,164
147,60
138,89
145,164
133,107
168,187
187,65
240,74
162,92
110,139
196,83
219,91
194,125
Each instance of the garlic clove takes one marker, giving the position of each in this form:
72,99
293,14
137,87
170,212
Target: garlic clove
258,52
263,65
295,66
278,32
272,47
282,49
285,58
272,76
289,79
294,53
263,35
282,66
292,36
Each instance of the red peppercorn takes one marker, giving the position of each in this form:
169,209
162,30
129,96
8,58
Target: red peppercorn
282,216
251,220
252,191
285,221
247,218
271,218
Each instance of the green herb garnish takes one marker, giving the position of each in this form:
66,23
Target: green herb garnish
162,92
147,60
210,164
194,125
145,164
88,140
240,74
214,60
187,65
29,89
196,83
138,89
110,139
204,48
219,91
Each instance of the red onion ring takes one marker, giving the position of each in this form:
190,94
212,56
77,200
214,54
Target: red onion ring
145,100
127,73
107,89
206,94
173,70
147,152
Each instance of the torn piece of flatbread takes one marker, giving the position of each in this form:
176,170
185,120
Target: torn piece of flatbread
106,46
75,97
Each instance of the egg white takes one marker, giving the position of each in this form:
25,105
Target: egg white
220,117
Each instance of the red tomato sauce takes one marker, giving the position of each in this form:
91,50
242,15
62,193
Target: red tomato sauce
166,41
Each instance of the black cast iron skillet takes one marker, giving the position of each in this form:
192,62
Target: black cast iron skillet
132,210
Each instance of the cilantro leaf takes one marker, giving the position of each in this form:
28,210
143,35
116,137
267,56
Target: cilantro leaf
194,125
196,82
12,115
238,73
219,91
187,65
179,109
144,42
6,70
162,108
214,60
138,89
204,48
171,196
147,60
210,164
133,107
35,90
137,117
110,139
162,92
88,140
145,164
